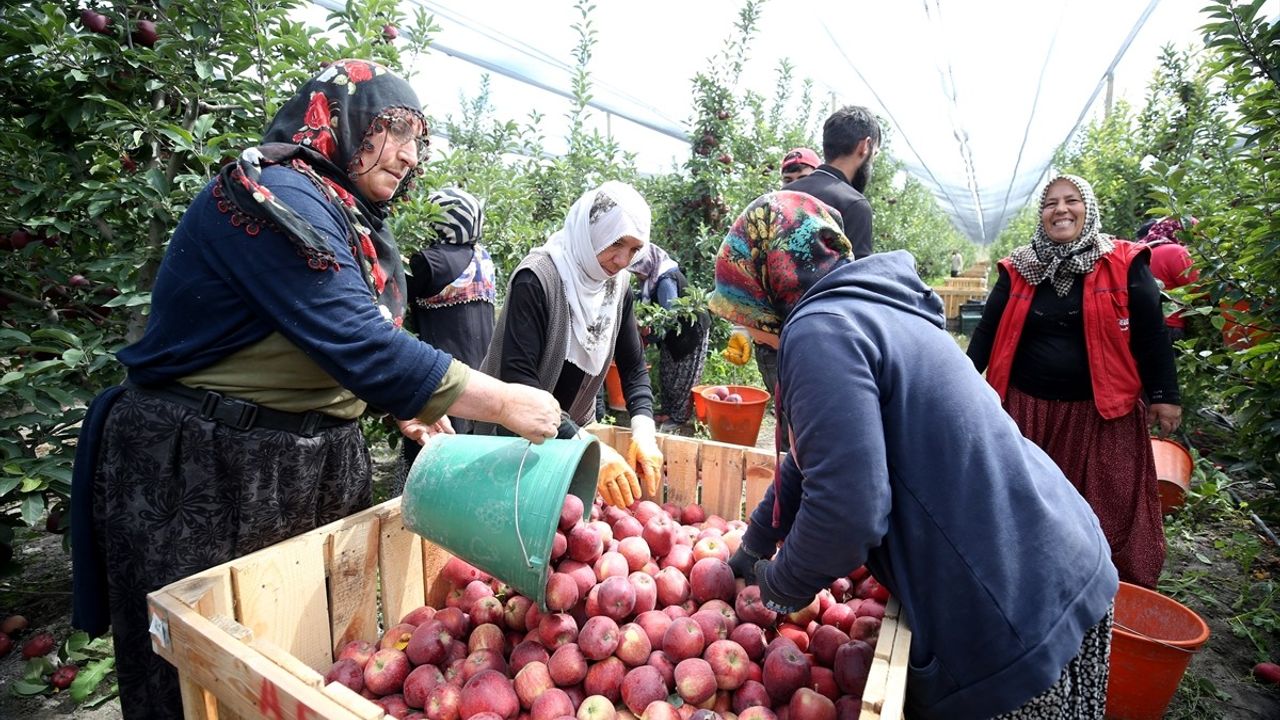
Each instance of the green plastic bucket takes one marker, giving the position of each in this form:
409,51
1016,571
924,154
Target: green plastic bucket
495,501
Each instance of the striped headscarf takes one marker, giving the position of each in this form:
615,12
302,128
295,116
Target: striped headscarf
1059,263
462,220
781,245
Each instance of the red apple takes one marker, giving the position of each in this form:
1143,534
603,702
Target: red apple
680,557
418,615
389,33
611,564
386,671
692,514
454,620
672,586
599,637
14,625
486,637
731,397
870,608
443,702
824,681
617,597
604,530
729,662
556,630
797,635
750,694
605,678
459,572
64,675
533,680
552,704
597,707
582,573
683,639
851,665
865,628
806,614
636,552
646,591
848,707
785,671
38,646
145,34
572,512
695,680
646,510
655,623
809,704
711,547
824,643
429,643
642,685
526,652
568,666
358,650
419,684
711,578
634,646
482,660
871,589
394,705
559,546
562,592
628,526
750,637
660,710
660,534
712,625
1267,672
347,672
93,22
515,612
489,691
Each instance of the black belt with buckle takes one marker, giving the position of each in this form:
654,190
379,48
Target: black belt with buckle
240,414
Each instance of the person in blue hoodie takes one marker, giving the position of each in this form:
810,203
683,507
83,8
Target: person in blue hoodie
903,460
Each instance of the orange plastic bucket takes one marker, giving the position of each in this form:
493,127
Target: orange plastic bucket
1173,472
699,403
1152,642
739,422
613,389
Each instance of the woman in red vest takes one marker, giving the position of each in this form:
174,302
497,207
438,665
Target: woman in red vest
1071,336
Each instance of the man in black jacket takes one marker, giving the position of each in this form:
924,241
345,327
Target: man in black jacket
850,142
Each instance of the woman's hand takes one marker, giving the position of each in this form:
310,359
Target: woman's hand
418,431
1167,417
617,482
531,413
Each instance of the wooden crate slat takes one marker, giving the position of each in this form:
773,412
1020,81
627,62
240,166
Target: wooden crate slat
399,566
435,587
681,460
895,690
245,682
351,556
280,597
621,440
722,479
603,432
209,594
360,706
758,473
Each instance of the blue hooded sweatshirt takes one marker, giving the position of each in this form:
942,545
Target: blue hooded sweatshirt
903,459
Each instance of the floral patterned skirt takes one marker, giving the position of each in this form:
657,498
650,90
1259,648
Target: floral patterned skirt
175,494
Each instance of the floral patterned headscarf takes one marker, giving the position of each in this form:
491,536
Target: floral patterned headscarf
320,132
781,245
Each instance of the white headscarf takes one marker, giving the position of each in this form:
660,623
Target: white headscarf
595,221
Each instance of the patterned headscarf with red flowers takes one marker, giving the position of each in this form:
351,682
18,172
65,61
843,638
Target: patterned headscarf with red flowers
320,133
781,245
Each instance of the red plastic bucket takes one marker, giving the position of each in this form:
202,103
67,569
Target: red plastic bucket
1173,472
699,403
1152,642
736,422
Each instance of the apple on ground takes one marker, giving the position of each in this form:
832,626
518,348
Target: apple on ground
38,646
64,675
489,691
347,672
386,671
641,686
6,644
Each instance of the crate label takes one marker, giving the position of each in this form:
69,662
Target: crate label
269,703
160,630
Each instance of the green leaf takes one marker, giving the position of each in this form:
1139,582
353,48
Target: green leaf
32,509
28,687
30,484
8,484
87,679
57,334
11,377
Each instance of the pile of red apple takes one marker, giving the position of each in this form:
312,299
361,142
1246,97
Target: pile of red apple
644,620
722,393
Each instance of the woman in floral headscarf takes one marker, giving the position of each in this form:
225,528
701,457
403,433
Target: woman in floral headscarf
903,460
568,313
1071,337
275,318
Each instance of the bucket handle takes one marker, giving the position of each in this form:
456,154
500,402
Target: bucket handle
516,510
1155,640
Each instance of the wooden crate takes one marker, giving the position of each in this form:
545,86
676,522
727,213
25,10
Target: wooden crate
969,283
953,298
254,636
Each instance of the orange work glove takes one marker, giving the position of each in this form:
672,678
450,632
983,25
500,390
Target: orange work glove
617,482
738,351
643,455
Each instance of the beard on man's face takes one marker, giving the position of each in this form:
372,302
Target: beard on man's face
861,177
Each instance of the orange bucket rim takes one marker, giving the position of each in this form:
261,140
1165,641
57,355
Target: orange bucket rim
752,390
1190,646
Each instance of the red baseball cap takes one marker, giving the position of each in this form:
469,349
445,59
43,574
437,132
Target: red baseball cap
802,155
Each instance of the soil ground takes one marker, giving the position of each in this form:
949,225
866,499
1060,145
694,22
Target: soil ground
1204,571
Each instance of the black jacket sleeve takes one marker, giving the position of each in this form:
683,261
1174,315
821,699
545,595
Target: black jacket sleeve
628,353
984,335
525,335
857,227
1148,335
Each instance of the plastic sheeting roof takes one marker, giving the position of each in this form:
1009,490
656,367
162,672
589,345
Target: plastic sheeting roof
978,94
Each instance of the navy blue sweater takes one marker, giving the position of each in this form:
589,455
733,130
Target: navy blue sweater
220,290
903,459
